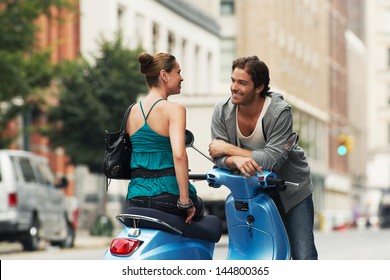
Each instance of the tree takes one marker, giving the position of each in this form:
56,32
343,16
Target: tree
24,69
93,99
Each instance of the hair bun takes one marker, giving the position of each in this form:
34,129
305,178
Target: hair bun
144,59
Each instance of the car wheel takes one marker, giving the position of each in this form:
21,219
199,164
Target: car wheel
30,239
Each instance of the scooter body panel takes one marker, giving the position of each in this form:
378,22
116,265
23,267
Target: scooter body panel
162,245
264,238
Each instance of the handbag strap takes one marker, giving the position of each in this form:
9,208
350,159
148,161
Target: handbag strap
125,117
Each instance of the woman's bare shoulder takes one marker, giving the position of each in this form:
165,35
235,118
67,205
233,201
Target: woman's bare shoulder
175,106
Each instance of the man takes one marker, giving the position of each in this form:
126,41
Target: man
249,130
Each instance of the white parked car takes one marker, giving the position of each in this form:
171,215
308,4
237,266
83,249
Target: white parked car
32,208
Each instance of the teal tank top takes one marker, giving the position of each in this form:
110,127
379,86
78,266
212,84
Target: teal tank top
152,151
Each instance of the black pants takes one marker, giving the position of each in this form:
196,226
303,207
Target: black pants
167,202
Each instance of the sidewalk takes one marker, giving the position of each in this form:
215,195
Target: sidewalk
84,239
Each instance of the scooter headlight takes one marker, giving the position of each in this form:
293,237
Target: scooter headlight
124,247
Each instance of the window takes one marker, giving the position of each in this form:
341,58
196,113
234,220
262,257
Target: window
139,25
39,174
156,37
228,51
184,54
121,18
388,57
227,7
47,176
196,69
27,170
388,133
91,198
388,96
14,161
209,69
171,42
386,23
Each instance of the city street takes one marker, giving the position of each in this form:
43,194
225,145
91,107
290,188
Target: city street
354,245
344,245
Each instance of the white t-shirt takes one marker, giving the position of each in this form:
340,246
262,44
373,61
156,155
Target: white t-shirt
256,139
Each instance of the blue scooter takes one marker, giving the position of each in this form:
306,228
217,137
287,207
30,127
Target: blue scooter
255,227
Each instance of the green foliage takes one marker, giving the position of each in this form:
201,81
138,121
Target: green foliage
23,69
93,99
17,31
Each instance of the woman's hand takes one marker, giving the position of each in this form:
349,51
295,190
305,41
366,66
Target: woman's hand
190,214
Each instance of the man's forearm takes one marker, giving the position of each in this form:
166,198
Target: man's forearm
233,150
230,163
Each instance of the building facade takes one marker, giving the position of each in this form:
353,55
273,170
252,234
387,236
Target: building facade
158,26
377,41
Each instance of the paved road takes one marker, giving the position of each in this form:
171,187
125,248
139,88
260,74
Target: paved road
348,245
371,244
356,247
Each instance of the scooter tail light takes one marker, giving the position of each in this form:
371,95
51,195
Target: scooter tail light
124,246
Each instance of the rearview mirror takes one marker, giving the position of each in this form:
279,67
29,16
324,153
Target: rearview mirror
189,138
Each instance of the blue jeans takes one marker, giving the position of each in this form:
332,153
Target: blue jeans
299,226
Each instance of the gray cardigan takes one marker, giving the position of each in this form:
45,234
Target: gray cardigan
277,126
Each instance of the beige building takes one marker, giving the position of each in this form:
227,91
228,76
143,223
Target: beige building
304,44
377,39
291,37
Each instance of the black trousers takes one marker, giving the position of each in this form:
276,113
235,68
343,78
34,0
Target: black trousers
167,202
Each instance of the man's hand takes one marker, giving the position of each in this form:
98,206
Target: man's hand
238,158
247,166
218,148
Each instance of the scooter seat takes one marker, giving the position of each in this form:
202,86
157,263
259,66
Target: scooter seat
207,228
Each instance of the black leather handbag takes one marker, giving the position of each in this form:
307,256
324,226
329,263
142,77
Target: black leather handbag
117,155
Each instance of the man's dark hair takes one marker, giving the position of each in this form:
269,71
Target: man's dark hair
257,69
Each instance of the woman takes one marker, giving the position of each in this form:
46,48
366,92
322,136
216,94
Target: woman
157,131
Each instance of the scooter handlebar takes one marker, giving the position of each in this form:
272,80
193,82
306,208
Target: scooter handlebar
281,184
197,176
275,181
